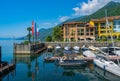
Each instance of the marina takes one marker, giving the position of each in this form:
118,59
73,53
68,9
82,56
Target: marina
60,40
36,64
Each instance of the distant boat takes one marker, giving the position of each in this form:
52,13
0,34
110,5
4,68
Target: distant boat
50,48
93,48
111,50
67,47
76,48
89,53
84,48
57,47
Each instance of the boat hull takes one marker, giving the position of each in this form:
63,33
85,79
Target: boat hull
111,69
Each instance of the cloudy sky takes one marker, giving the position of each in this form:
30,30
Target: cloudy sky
17,15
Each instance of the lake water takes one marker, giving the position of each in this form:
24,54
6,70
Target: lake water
29,67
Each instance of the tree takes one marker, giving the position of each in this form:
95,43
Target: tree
118,38
104,38
48,39
57,33
29,35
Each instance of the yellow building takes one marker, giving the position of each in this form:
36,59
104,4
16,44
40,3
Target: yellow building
102,30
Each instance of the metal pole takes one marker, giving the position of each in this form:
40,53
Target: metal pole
0,55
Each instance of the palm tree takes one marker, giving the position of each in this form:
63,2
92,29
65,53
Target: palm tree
29,35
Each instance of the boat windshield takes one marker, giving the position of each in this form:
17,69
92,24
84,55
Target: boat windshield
102,57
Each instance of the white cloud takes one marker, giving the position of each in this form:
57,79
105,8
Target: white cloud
64,18
90,7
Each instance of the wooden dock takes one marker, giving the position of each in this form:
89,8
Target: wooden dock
113,58
40,50
6,69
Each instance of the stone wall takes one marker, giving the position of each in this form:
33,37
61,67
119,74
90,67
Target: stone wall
27,49
80,44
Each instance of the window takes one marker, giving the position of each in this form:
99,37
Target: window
91,30
87,30
82,30
82,33
87,33
91,33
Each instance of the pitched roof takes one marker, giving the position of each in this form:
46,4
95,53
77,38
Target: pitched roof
104,18
74,23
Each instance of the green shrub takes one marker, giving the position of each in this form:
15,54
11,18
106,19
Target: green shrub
26,42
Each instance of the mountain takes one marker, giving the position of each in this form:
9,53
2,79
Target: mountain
113,9
44,33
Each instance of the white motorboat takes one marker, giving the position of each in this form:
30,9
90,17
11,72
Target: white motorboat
115,50
89,53
84,48
76,48
58,47
107,65
67,47
93,48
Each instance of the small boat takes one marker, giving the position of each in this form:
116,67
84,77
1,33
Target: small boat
104,63
57,47
50,48
89,53
93,48
50,59
71,63
67,47
76,48
84,48
111,50
68,52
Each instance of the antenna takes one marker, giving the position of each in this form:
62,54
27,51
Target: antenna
107,24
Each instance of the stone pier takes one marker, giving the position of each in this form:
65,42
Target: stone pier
28,49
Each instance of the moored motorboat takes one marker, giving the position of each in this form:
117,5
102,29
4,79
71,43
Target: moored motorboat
107,65
57,47
84,48
76,48
70,63
93,48
67,47
89,53
50,48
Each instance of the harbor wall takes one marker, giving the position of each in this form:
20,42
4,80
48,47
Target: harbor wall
80,44
27,49
36,48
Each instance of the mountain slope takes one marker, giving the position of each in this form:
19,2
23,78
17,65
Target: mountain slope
113,9
44,33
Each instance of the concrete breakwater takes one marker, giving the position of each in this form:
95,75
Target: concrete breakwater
28,49
39,47
80,44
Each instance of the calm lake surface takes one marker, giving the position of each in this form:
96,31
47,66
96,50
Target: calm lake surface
29,67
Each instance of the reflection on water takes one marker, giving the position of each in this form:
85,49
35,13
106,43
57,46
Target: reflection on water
29,68
105,75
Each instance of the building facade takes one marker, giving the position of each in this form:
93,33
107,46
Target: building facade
104,30
78,31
